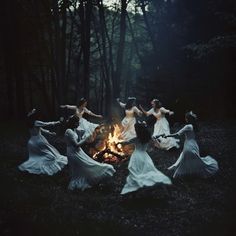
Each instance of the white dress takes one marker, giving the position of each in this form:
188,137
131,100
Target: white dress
85,172
128,131
43,157
189,161
85,125
142,172
162,127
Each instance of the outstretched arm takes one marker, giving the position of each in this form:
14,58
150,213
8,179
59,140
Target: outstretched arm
120,103
146,113
137,111
39,123
182,131
172,135
71,107
91,113
131,141
142,109
158,136
45,131
166,111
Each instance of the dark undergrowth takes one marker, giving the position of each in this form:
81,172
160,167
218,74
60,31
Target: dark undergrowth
42,205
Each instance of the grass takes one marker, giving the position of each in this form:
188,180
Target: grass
42,205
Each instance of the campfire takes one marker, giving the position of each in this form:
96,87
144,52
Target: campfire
109,148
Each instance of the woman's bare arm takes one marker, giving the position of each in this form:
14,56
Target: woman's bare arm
120,103
45,131
137,111
91,113
166,111
142,109
131,141
71,107
39,123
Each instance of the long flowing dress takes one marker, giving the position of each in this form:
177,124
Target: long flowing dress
189,161
128,131
43,157
85,172
142,172
85,125
162,127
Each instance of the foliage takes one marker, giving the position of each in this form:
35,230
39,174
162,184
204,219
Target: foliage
55,52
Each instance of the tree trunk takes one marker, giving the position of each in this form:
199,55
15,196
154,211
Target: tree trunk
85,10
148,26
62,49
107,80
134,40
120,51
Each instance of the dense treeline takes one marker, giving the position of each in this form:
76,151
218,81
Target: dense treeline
57,51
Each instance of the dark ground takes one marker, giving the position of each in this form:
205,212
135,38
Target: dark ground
42,205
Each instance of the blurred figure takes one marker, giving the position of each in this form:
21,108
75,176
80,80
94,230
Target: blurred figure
189,161
129,120
142,172
85,172
88,127
43,157
161,126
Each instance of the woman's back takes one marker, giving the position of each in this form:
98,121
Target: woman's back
70,137
188,131
140,146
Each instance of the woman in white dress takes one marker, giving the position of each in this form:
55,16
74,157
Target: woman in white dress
189,161
85,125
161,126
85,172
128,131
43,157
142,172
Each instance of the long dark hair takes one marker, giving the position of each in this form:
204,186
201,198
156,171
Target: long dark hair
130,103
192,119
142,132
81,102
70,124
157,103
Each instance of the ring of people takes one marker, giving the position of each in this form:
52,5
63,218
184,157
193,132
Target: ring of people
128,140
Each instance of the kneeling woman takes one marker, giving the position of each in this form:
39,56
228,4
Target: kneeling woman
43,157
142,172
189,161
85,172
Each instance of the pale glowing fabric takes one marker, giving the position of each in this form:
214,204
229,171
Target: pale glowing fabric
85,125
142,172
85,172
162,127
189,161
128,123
43,157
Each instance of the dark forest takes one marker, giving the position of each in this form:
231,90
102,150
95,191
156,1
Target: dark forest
55,52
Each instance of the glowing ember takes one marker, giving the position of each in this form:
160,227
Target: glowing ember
111,148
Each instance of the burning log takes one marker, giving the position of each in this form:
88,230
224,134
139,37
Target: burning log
109,149
109,156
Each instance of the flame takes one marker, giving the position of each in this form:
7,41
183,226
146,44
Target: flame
114,139
112,142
